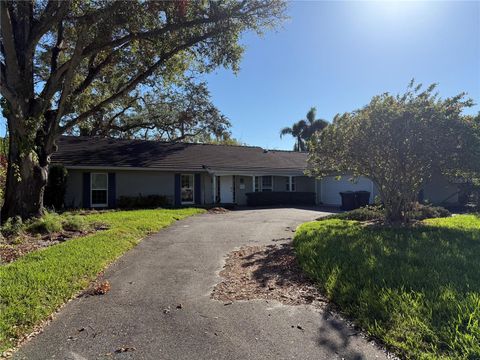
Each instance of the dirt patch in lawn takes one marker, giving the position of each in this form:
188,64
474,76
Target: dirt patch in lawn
27,243
267,272
218,210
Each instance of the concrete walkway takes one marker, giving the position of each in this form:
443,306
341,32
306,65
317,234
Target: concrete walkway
180,265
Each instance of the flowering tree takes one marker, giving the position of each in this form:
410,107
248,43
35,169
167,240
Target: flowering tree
400,142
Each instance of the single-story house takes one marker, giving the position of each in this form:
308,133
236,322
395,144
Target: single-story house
102,170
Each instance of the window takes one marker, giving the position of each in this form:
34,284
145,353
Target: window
99,190
288,183
257,183
267,183
187,189
293,183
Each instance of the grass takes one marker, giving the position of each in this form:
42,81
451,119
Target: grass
34,286
417,289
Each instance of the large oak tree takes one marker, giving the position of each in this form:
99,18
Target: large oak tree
55,57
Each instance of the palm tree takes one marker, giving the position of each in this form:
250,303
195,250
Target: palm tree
303,130
297,131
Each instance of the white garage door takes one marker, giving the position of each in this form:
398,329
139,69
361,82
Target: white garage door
331,188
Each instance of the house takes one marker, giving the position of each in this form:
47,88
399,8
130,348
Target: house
102,170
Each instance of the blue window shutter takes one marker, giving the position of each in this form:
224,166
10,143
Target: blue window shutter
177,192
86,190
198,189
112,188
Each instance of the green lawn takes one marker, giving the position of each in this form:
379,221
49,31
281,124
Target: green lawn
417,289
32,287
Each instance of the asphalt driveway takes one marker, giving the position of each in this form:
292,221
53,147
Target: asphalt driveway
180,265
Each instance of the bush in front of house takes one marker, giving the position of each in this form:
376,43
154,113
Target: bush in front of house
75,223
12,227
143,202
367,213
377,212
422,212
49,223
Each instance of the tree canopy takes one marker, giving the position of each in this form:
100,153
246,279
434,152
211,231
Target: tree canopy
303,130
183,112
400,142
64,62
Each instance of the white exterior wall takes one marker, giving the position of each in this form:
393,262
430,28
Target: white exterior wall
330,188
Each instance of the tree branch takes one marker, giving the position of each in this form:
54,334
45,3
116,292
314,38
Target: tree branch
67,83
138,79
53,14
11,60
58,47
94,48
94,71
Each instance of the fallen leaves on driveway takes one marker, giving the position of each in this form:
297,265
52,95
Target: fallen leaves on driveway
267,272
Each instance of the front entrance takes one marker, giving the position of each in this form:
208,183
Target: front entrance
226,189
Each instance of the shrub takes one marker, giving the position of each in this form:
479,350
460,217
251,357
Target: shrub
12,227
56,187
142,202
376,212
361,214
421,212
47,224
75,223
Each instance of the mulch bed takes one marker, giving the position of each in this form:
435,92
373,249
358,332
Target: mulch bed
27,243
267,272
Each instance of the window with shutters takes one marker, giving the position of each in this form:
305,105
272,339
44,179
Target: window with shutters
99,190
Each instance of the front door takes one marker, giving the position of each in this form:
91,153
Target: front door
226,189
187,188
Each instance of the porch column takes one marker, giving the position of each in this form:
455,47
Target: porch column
214,189
289,183
253,183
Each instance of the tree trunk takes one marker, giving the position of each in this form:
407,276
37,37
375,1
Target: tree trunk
27,174
394,213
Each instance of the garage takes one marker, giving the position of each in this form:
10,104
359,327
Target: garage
331,188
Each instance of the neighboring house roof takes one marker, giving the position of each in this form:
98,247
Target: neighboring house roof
87,152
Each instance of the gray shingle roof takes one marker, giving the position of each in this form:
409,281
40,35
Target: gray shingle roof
98,152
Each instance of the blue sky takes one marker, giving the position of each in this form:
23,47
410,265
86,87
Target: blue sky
337,55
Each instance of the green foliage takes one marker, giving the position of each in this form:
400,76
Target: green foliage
75,223
400,142
417,289
377,212
145,202
304,130
422,212
366,213
12,227
168,112
56,187
49,223
37,284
